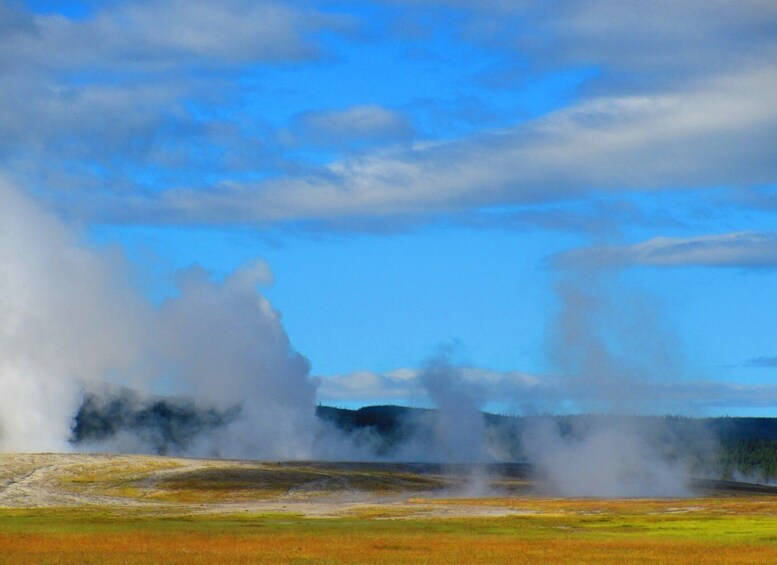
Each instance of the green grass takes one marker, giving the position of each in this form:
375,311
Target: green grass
700,526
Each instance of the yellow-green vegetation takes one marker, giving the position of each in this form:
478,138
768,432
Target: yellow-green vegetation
694,531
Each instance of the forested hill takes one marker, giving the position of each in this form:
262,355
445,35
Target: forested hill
167,426
390,419
729,446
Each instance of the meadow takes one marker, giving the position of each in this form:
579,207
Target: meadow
125,510
694,531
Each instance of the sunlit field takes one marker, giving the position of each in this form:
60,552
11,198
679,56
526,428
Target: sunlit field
696,531
141,510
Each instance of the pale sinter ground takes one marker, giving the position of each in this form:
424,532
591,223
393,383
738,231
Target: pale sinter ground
168,484
313,489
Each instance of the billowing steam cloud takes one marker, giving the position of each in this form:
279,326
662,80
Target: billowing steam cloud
225,344
66,318
70,322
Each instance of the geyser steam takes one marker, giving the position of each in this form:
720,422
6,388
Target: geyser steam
458,426
604,456
66,318
69,322
611,355
225,343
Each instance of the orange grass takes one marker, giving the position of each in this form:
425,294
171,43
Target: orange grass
561,531
371,547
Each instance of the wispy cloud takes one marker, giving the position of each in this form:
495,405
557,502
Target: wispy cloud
163,35
665,40
165,67
136,93
764,362
746,250
160,64
717,134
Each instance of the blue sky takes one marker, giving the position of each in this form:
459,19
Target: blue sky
575,197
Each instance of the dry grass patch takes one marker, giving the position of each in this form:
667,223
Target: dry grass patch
267,481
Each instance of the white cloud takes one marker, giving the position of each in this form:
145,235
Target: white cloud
543,393
366,386
405,385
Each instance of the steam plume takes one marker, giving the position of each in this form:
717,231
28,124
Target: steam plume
459,427
66,319
609,348
69,322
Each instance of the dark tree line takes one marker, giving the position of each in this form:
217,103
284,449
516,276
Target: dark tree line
729,448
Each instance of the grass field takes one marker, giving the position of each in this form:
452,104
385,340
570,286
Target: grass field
379,524
578,532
